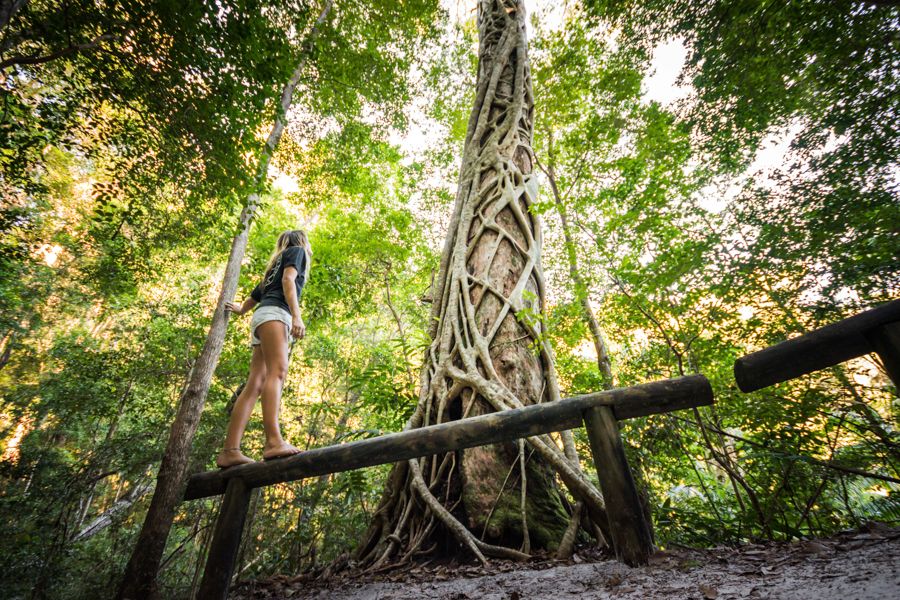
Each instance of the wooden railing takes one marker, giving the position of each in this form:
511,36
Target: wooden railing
599,412
876,330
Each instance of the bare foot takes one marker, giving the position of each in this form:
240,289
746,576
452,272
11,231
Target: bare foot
232,457
279,450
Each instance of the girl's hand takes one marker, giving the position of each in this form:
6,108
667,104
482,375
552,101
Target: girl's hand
234,307
298,329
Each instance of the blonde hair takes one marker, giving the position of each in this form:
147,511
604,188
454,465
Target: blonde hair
295,237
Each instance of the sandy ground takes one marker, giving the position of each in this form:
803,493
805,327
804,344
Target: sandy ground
850,566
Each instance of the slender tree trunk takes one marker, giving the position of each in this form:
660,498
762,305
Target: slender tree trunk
6,349
106,518
139,580
8,9
140,574
488,351
99,466
603,362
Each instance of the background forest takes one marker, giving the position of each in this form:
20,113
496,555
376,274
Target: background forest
686,221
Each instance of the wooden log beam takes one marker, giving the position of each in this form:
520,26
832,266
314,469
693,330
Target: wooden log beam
631,537
819,349
625,403
885,342
226,541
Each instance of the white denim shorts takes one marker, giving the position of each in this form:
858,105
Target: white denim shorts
270,313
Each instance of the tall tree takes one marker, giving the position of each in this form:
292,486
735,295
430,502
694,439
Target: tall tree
140,575
488,351
592,97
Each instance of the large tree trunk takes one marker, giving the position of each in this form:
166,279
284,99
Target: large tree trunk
139,580
487,352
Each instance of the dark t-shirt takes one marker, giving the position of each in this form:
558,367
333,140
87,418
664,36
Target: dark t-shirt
269,292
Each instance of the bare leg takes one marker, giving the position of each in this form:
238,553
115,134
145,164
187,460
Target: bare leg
275,351
240,413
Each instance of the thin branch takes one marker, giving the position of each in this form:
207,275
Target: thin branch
37,59
808,459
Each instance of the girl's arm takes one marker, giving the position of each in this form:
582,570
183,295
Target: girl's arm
241,309
298,329
254,299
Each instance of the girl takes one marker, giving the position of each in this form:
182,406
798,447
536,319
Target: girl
274,326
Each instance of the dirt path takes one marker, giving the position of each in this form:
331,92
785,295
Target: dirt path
850,566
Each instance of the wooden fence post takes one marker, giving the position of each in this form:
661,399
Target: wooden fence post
226,541
885,341
631,538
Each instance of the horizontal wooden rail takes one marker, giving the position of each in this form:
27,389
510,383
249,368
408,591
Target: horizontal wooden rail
874,330
631,535
625,403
